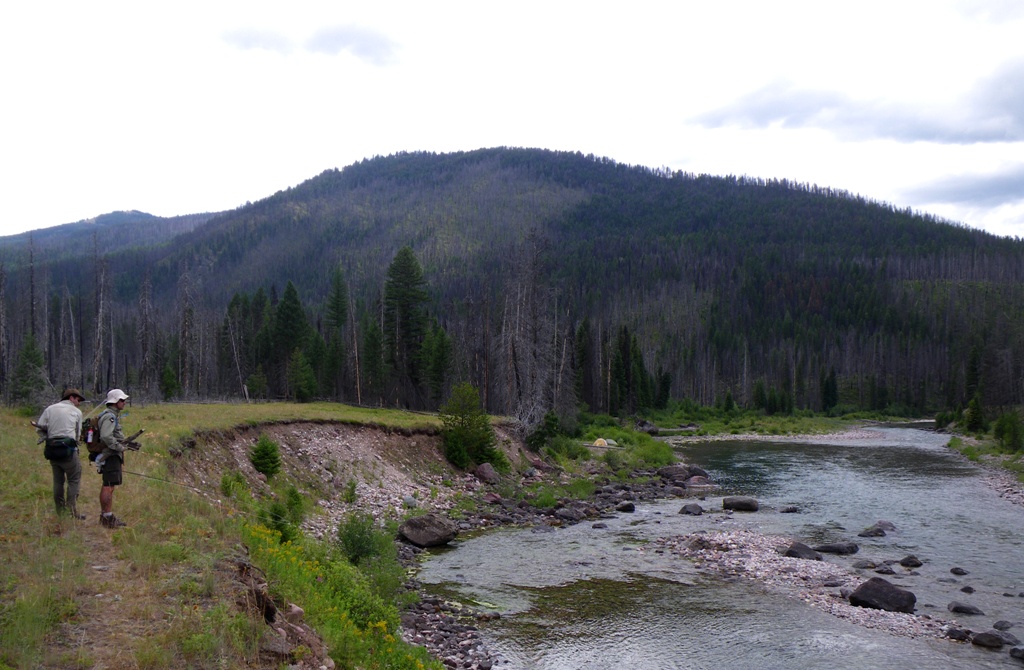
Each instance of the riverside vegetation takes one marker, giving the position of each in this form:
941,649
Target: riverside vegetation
162,592
172,571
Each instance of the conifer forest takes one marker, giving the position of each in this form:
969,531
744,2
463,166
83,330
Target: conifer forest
548,280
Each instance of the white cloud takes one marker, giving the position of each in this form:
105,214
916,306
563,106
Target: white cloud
203,106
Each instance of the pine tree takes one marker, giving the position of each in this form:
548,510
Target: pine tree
265,456
288,332
405,318
436,358
374,369
28,383
467,432
301,377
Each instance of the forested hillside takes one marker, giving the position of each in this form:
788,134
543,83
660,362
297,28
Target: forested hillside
546,279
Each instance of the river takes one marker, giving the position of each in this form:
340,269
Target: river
603,598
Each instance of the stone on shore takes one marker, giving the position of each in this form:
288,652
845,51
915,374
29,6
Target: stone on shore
880,594
486,473
841,548
801,550
692,509
429,530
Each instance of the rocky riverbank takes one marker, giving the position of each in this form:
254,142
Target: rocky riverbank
449,630
389,474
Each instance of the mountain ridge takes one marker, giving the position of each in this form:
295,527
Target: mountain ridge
723,280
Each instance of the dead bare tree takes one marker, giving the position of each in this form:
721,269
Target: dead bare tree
146,334
101,319
68,361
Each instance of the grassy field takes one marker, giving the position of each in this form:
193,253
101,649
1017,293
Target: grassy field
157,594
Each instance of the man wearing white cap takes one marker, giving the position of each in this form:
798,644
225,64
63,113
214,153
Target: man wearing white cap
112,457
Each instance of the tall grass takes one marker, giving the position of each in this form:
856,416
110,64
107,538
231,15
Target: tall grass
167,561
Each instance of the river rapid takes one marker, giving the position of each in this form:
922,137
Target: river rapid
610,596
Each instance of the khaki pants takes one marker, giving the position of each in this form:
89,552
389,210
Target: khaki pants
69,470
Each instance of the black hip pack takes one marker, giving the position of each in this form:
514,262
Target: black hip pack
59,448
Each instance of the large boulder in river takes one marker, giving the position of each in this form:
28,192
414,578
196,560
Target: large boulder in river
841,548
740,503
879,594
429,530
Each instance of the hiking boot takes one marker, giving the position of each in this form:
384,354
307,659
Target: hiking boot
111,522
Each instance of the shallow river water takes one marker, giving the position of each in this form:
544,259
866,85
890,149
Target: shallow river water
583,597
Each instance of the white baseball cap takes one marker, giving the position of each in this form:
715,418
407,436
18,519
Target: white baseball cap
114,396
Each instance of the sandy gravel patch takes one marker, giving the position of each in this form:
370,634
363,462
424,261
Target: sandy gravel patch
757,557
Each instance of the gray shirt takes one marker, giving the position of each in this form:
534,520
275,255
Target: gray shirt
110,432
61,419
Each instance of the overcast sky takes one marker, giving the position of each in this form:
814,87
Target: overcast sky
176,108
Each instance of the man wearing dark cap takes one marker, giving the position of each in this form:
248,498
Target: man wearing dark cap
59,426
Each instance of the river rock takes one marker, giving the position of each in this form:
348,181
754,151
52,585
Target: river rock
801,550
879,594
958,607
1018,653
486,473
740,503
677,471
1003,624
911,561
645,426
988,639
968,589
872,531
697,482
428,530
959,571
1008,637
693,509
958,634
864,564
697,471
841,548
625,506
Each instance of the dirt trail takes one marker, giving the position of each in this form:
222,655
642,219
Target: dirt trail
112,607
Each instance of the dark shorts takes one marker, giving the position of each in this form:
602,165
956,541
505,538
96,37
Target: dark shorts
112,471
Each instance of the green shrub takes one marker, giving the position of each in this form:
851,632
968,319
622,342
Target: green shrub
546,499
1009,431
564,446
266,456
613,459
467,432
295,504
275,515
349,494
543,433
233,483
581,488
358,538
